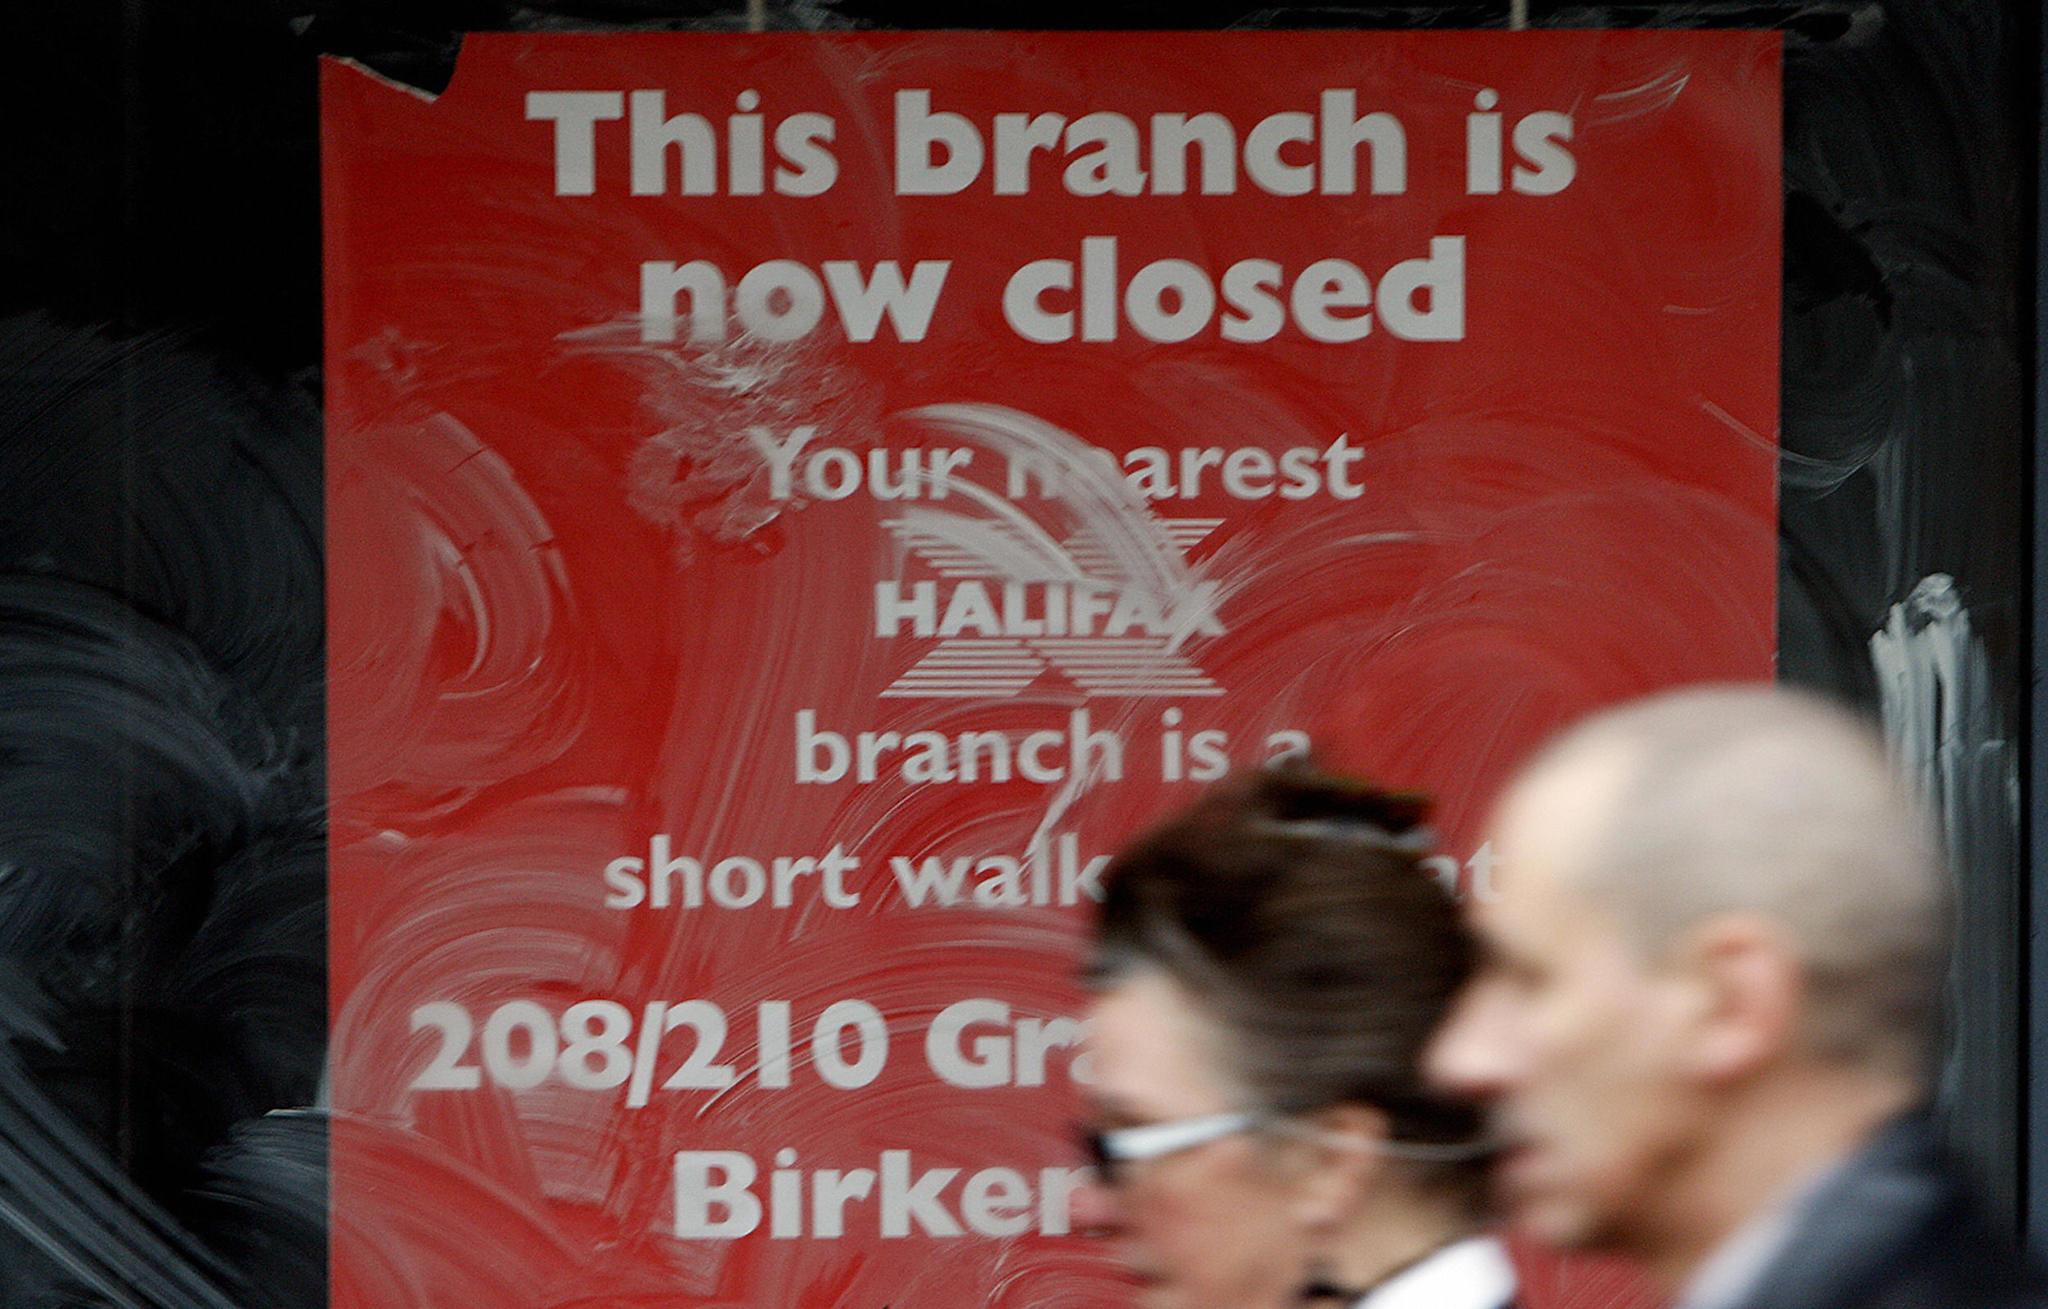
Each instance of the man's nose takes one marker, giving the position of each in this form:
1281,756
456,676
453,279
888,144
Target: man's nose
1472,1053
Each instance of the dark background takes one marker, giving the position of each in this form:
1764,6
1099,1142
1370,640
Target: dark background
162,860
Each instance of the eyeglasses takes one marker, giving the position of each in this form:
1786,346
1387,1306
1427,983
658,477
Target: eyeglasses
1111,1149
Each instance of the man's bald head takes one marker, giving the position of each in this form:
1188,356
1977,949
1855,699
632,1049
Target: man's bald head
1757,799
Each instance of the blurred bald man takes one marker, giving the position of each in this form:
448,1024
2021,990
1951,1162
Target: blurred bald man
1710,1000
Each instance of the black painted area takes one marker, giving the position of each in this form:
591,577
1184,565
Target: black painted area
161,939
2034,832
162,854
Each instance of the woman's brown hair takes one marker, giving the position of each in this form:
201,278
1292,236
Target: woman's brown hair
1294,906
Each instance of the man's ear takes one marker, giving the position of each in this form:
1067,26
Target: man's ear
1343,1163
1746,989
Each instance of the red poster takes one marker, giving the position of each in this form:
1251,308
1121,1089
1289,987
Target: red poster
796,502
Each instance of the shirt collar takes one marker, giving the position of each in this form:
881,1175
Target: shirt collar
1470,1274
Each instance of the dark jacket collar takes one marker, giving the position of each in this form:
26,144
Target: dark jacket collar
1895,1223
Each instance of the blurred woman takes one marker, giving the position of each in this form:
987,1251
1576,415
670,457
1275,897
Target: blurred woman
1267,968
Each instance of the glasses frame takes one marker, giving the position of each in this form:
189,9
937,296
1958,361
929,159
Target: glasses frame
1112,1149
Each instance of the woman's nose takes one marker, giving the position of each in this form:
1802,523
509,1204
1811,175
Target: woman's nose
1096,1209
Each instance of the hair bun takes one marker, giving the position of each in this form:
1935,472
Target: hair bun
1321,803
